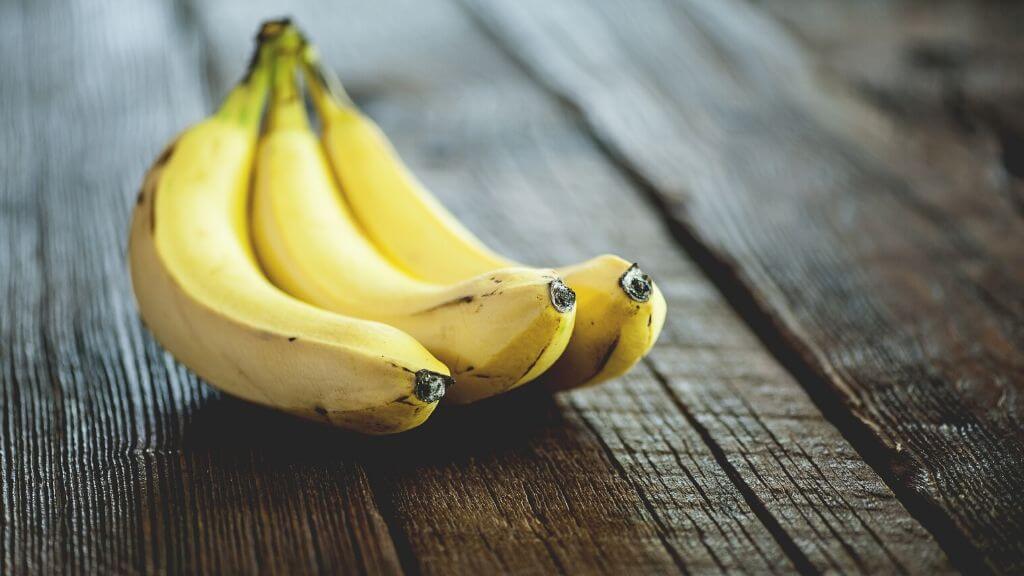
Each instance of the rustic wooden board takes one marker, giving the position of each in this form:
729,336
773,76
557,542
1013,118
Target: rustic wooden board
950,72
872,278
113,458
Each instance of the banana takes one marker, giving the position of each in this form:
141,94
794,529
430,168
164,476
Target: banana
621,313
621,310
200,291
494,331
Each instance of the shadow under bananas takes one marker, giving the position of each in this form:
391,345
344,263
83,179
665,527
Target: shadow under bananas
511,422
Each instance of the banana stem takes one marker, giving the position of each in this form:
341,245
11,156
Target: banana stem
287,109
244,104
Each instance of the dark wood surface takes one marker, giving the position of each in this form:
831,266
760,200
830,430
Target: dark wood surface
881,285
949,71
837,388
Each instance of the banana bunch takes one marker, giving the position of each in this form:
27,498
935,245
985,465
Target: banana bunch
316,275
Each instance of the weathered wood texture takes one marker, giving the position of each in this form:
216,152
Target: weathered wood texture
874,278
950,71
708,457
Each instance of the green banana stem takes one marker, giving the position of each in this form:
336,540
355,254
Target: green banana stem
244,104
287,109
329,96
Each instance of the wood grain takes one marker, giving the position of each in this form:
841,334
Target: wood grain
708,457
507,159
949,71
877,282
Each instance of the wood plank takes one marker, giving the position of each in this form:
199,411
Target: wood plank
517,169
951,72
113,459
880,285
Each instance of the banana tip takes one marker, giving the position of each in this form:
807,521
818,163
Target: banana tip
431,386
272,28
637,285
563,298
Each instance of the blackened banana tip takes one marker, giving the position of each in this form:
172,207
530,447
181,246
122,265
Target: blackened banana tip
272,28
563,298
431,386
637,285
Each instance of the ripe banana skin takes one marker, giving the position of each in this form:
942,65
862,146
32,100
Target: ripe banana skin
620,309
200,291
614,328
494,331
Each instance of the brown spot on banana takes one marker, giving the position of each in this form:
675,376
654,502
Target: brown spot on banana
152,212
453,302
399,366
165,156
606,357
151,184
407,400
532,364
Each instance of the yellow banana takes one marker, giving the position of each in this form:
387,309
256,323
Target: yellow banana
494,331
202,294
620,313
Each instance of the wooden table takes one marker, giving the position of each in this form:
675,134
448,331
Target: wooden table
829,193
